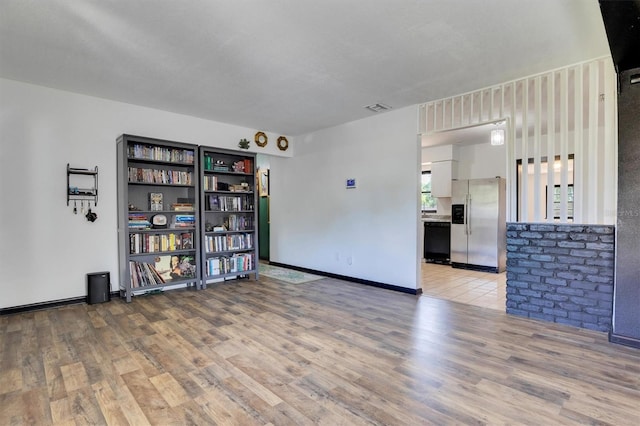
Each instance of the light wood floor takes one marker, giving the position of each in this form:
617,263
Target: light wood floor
484,289
326,352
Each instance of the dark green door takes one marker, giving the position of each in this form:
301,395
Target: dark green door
263,228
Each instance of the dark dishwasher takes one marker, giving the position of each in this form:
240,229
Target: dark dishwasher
437,241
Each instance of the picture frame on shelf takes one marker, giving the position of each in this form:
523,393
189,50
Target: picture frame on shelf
156,201
263,182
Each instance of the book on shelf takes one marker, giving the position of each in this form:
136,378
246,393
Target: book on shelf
186,268
213,203
163,266
155,201
175,267
187,240
183,221
238,166
240,187
182,207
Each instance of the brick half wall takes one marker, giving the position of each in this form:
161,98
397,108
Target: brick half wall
561,273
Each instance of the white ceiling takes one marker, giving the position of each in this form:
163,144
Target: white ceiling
290,66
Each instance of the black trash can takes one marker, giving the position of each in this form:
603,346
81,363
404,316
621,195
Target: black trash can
98,287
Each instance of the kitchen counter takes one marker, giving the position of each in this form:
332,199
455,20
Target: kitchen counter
436,218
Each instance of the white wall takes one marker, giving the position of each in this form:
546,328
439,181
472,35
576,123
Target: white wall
46,250
370,232
480,161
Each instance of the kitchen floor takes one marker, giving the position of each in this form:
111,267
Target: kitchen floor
484,289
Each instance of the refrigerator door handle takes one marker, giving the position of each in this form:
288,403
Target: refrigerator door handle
466,214
468,210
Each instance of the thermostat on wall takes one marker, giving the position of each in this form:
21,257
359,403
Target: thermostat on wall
351,183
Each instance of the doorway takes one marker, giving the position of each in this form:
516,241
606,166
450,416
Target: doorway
264,199
472,156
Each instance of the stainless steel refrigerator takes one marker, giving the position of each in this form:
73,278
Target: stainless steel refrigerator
478,224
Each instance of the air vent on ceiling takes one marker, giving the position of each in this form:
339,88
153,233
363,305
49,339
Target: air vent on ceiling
378,107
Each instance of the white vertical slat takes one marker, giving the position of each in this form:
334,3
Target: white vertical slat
435,116
481,111
524,196
443,125
471,105
501,97
564,143
422,119
551,131
592,165
537,135
579,191
492,100
610,144
512,170
453,113
462,111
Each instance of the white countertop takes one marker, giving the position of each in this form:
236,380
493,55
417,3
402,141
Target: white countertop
436,218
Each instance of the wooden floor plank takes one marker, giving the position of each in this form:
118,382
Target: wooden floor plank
327,352
170,389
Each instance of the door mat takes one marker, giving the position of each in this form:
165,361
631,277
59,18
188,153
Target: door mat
287,275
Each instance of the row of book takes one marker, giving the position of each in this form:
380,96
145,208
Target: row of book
210,183
217,243
139,221
164,269
235,222
144,274
157,243
238,166
240,262
229,203
174,177
159,153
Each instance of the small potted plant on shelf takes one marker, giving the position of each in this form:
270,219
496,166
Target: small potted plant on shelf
243,144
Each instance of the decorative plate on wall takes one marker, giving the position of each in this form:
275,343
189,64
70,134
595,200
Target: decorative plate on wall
261,139
283,143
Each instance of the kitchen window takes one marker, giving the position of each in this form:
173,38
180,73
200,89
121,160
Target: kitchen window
428,202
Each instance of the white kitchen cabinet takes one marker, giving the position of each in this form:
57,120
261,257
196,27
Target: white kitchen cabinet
442,172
